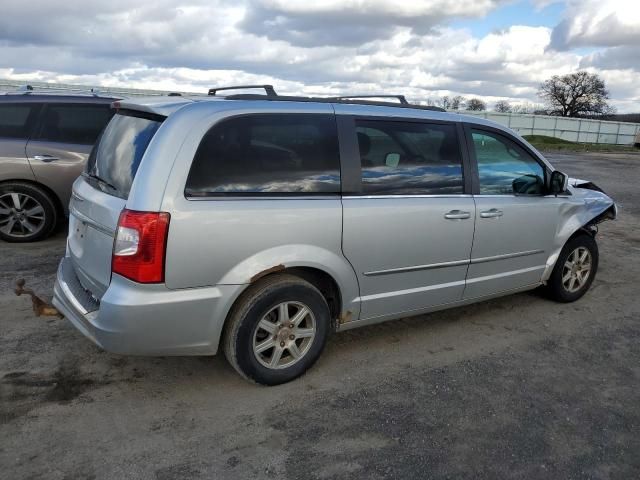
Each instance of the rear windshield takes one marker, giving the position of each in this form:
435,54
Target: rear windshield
115,159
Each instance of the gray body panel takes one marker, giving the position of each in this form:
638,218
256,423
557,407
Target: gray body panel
390,256
93,219
406,254
13,160
510,250
57,174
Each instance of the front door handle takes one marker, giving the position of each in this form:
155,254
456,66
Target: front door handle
493,213
45,158
457,215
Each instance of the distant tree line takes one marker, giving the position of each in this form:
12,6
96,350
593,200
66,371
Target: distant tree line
459,102
579,94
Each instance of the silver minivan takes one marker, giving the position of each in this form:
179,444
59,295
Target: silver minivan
262,223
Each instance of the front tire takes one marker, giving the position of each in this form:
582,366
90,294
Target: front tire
575,269
27,213
277,330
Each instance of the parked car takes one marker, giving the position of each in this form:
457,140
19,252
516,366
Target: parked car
262,223
45,139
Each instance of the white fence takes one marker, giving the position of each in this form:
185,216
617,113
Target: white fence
13,86
572,129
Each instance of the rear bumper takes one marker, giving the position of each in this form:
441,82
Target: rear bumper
135,319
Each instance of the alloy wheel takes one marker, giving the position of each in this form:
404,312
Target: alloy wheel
576,270
21,215
284,335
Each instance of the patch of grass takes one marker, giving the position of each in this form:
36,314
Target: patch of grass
545,143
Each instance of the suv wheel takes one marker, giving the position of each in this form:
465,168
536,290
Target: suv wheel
27,212
277,330
575,269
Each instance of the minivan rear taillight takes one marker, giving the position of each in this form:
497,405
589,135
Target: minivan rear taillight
140,246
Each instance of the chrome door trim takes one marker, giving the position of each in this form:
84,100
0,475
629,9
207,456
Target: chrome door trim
505,274
77,197
443,306
505,256
415,268
408,291
84,219
460,195
454,263
259,197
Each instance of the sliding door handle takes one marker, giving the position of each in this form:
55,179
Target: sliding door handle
457,215
493,213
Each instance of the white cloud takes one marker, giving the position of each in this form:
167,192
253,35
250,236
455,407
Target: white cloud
319,47
598,23
352,22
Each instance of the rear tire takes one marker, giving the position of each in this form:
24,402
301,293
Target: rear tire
277,330
575,269
27,213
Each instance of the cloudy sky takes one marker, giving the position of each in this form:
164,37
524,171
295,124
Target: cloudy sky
494,49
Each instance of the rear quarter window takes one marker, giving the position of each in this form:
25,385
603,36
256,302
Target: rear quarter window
267,154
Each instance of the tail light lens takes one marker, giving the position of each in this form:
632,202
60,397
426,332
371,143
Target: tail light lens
140,246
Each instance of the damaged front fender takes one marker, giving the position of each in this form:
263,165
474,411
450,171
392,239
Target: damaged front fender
586,206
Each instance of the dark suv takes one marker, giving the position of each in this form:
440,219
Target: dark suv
45,139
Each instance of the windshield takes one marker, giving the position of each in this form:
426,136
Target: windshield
115,159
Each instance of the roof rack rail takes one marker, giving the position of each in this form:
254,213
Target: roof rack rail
348,100
30,89
269,90
401,98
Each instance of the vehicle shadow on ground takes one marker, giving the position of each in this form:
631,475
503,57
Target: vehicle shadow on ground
83,373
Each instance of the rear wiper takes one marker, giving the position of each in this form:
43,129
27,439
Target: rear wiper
101,180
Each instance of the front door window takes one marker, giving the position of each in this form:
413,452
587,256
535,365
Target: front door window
504,167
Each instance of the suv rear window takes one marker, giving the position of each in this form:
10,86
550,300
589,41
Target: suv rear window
79,124
15,119
115,159
268,154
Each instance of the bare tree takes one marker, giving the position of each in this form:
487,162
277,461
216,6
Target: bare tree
502,106
475,104
444,102
523,108
458,102
575,94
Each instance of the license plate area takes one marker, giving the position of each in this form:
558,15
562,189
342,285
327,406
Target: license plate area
77,234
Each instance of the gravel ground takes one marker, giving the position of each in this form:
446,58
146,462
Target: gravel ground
517,387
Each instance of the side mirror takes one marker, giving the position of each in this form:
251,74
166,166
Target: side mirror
558,183
392,159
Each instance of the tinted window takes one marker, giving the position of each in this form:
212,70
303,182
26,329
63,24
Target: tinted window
116,157
15,120
504,167
74,123
269,154
409,158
